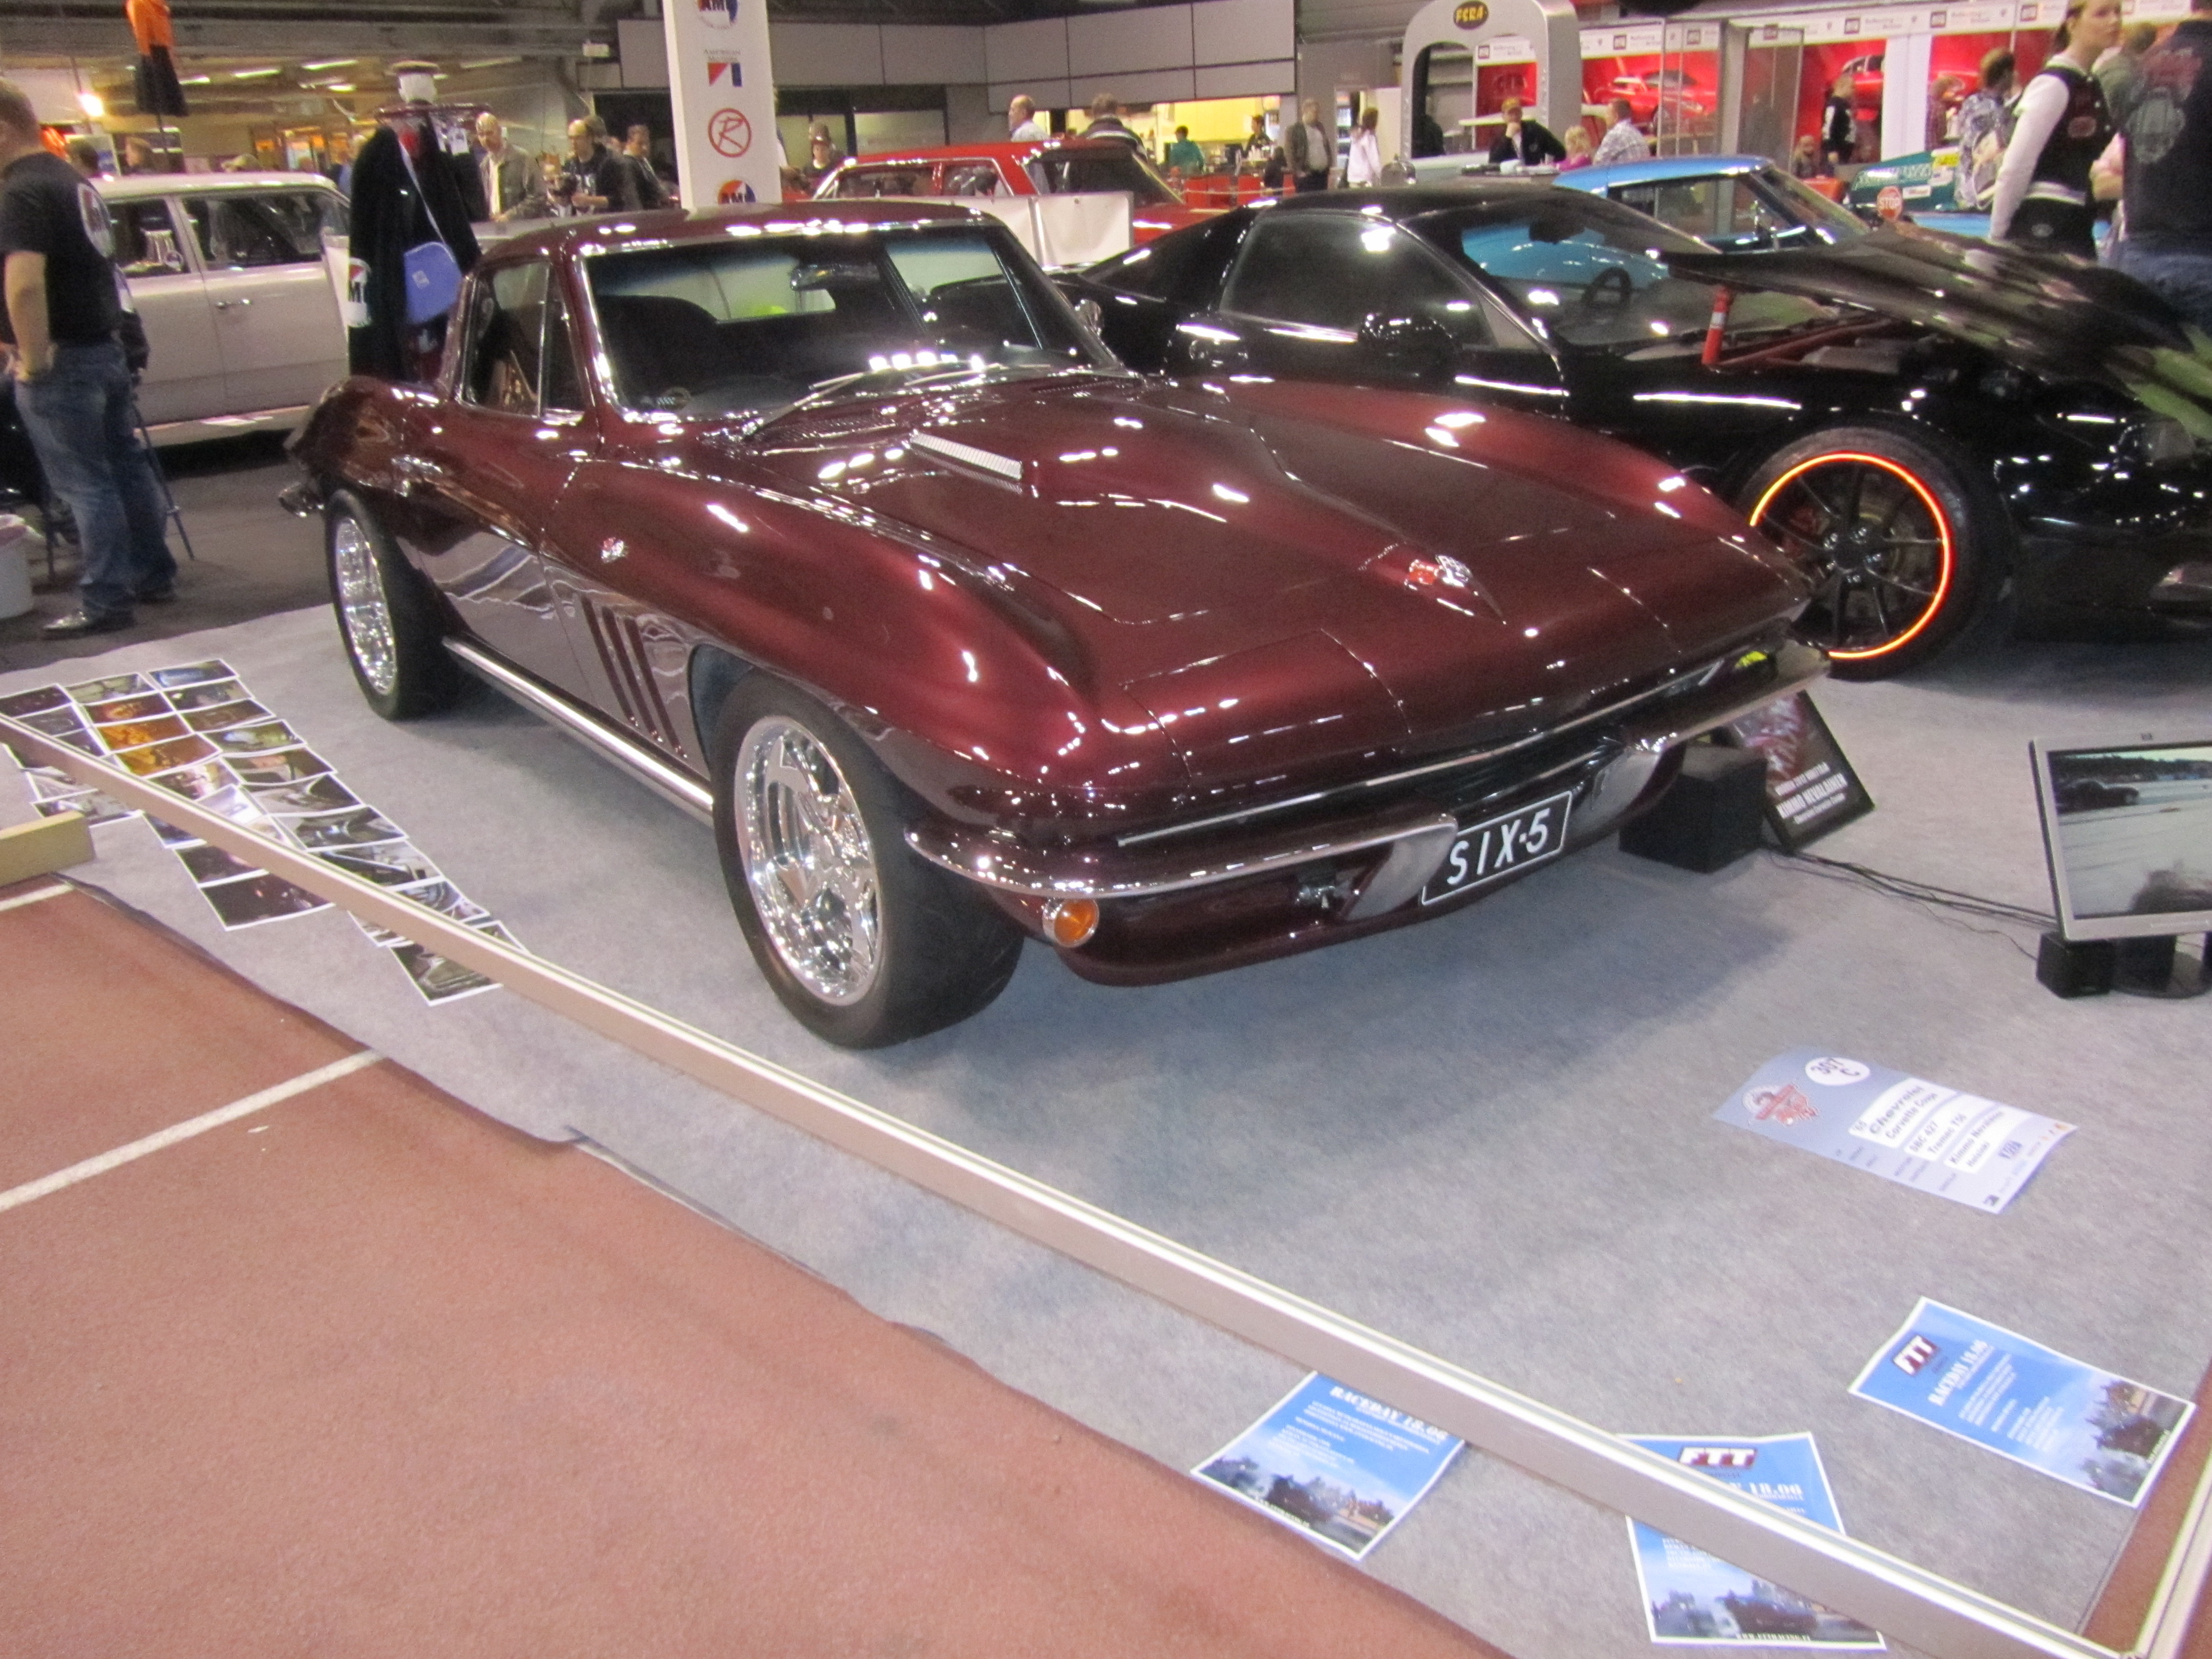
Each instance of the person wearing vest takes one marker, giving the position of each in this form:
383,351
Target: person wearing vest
2042,197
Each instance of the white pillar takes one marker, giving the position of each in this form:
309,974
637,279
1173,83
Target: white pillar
722,91
1905,64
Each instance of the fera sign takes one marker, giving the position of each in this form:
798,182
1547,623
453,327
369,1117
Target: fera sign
1471,14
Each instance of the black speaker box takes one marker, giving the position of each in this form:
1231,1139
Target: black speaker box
2076,968
1712,815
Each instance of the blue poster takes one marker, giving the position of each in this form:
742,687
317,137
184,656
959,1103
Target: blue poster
1982,1383
1692,1599
1340,1467
1906,1129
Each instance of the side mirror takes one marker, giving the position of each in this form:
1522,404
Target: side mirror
1417,340
1088,309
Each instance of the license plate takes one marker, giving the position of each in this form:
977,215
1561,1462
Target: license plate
1500,847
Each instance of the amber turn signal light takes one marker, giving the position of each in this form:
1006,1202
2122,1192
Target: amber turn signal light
1071,922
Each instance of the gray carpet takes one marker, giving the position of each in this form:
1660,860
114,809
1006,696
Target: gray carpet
1491,1135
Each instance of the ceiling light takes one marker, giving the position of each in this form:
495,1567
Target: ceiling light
332,63
338,85
490,62
91,104
196,80
249,74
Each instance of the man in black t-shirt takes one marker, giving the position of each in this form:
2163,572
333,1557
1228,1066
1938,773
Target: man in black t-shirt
604,181
2168,192
73,389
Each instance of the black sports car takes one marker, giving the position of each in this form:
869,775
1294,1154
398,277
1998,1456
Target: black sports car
1935,422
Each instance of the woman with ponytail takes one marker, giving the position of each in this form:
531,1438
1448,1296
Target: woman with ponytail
2042,198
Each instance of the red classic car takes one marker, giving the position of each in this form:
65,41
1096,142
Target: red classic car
847,533
1050,167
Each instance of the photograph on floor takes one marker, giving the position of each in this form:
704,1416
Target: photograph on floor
194,730
1906,1129
1339,1466
1692,1599
2090,1428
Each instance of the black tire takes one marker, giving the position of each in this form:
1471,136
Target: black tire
941,950
1908,547
387,616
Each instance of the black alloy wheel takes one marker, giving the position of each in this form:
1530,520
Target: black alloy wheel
1895,537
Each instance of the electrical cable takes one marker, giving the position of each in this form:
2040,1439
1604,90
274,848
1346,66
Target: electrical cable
1926,895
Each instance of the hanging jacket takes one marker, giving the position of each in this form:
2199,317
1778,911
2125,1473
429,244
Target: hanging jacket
389,217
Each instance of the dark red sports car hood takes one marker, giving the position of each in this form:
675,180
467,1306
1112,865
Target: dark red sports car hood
1406,567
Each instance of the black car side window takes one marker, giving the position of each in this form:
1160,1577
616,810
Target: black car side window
1335,270
564,389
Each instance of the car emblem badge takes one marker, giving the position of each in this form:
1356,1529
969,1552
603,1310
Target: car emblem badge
612,549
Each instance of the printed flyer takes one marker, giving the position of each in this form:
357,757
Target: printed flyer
1336,1465
1810,787
1984,1383
1902,1128
1692,1599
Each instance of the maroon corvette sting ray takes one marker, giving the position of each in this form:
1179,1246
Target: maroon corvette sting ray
846,533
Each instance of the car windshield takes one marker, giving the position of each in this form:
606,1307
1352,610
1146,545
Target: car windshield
1834,221
752,326
1109,167
1593,273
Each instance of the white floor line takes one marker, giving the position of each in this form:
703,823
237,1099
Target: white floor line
22,899
187,1129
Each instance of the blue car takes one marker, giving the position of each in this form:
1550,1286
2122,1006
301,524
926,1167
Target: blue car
1733,202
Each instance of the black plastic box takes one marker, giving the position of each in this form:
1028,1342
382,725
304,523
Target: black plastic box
1711,816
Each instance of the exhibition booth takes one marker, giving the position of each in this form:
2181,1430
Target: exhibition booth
1503,1139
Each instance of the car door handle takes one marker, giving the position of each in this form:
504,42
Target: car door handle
224,305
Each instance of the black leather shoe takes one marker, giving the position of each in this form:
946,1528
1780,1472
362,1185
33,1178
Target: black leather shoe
79,621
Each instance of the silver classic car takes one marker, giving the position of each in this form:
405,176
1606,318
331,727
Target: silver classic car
230,274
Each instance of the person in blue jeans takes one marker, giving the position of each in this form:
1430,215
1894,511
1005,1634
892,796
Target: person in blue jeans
62,318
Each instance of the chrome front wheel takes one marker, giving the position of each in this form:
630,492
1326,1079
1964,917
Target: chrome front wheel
809,863
364,611
387,616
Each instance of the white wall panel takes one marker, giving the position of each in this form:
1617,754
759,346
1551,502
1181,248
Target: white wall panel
1113,43
641,44
1242,32
1147,87
1049,95
1246,80
1035,51
827,54
919,54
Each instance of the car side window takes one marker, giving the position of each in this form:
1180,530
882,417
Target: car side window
507,329
884,181
563,387
1333,270
146,240
971,179
1689,205
241,231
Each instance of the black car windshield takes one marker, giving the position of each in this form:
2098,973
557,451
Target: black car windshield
754,324
1114,166
1834,221
1594,273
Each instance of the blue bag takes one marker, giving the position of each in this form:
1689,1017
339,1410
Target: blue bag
433,281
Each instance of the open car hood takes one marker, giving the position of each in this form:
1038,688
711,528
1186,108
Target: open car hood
2055,318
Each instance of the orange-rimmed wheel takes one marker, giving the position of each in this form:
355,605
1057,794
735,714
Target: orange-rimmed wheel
1886,525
